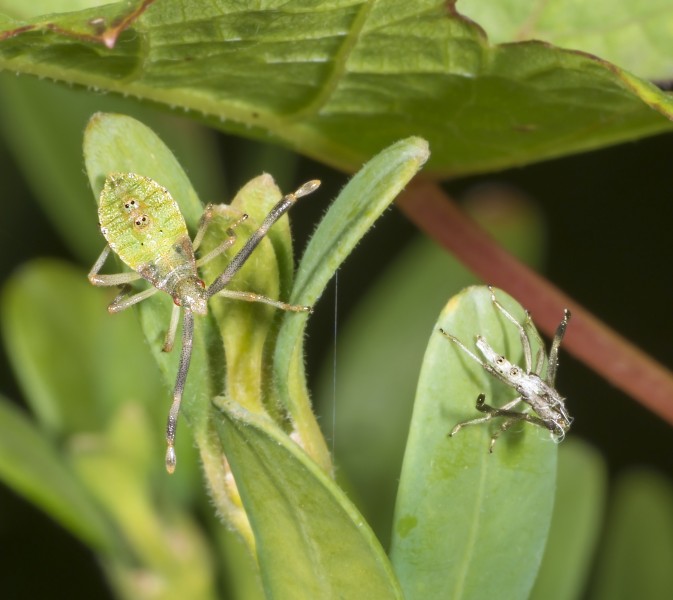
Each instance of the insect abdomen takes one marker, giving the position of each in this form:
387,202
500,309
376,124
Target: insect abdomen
141,221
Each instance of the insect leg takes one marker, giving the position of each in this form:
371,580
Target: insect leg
172,328
556,343
463,347
482,407
250,297
512,420
183,368
485,365
206,217
525,342
283,205
105,280
230,241
124,301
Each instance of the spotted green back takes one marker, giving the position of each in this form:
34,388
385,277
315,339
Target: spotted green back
140,220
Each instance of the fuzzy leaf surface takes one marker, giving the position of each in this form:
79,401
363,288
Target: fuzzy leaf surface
339,80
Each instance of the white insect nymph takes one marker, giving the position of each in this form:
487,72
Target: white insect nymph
548,406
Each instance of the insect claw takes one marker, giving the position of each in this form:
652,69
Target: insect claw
171,459
307,188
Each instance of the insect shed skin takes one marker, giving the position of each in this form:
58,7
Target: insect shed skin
547,404
143,225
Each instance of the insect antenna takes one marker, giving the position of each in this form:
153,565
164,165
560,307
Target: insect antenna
556,343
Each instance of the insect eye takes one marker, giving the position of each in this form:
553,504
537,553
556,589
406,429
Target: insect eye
500,360
514,372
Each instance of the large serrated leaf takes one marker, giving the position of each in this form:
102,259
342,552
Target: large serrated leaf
311,541
340,80
460,508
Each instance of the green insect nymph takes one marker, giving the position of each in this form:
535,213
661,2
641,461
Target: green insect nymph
143,225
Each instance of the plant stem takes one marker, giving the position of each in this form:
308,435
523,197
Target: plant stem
588,339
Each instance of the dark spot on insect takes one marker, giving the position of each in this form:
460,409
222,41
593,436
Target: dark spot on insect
142,221
500,360
514,372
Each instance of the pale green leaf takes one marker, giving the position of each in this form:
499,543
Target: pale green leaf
461,510
75,362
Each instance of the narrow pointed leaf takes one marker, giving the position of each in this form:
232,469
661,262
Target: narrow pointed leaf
356,209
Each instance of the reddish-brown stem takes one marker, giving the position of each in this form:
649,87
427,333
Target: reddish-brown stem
588,339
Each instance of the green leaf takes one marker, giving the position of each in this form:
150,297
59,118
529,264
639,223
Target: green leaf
634,35
167,544
356,209
23,10
469,524
75,362
387,333
315,75
34,468
576,523
311,541
637,548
